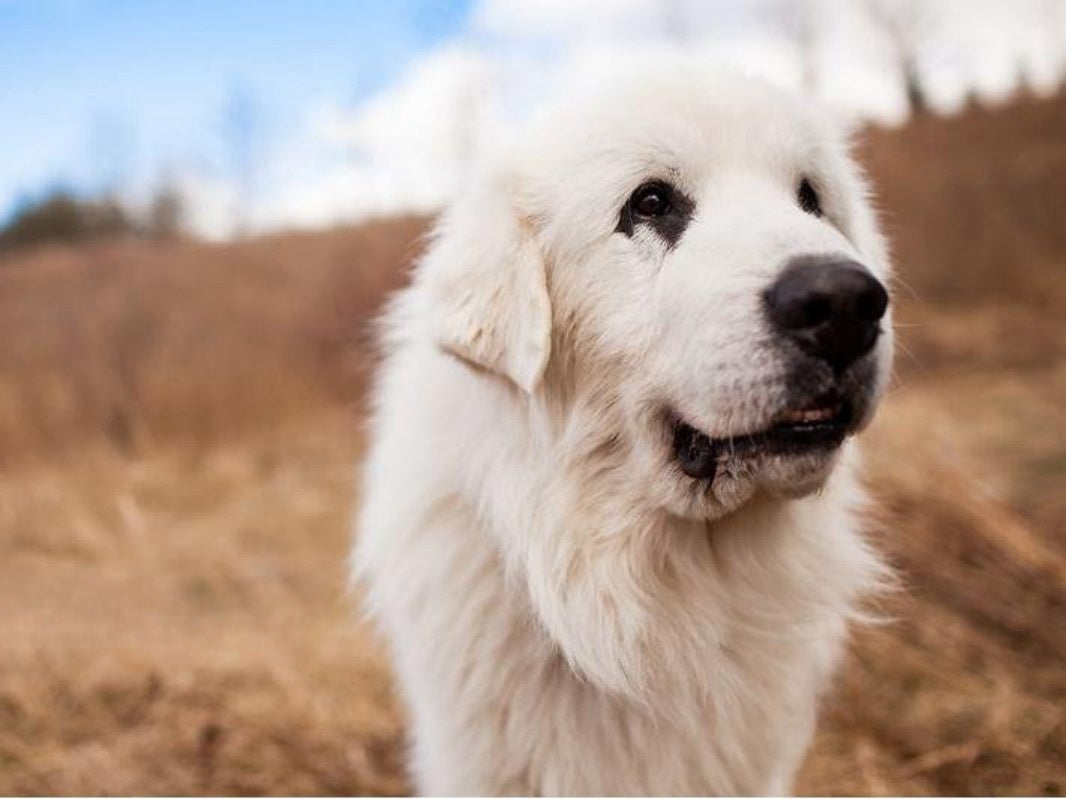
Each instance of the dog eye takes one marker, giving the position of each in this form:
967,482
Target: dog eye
650,200
662,209
808,198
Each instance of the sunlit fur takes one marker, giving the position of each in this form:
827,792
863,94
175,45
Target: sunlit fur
567,612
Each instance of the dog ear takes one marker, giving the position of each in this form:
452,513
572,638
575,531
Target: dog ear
488,289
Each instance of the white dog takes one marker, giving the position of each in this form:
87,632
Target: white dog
609,519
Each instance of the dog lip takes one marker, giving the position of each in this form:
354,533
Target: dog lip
815,415
696,453
820,425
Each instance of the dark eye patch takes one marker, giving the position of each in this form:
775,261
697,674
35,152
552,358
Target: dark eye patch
661,207
808,199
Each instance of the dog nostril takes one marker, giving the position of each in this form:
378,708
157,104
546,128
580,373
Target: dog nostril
815,311
871,304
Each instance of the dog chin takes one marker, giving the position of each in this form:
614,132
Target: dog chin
740,480
797,476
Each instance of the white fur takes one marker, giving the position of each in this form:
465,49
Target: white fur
567,612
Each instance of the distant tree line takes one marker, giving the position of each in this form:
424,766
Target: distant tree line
62,216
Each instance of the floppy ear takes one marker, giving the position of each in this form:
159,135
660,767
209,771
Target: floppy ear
487,286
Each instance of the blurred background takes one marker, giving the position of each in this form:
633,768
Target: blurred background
202,206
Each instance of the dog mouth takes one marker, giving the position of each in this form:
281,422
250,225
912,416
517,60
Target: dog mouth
820,426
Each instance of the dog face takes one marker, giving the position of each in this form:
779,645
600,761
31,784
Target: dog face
700,260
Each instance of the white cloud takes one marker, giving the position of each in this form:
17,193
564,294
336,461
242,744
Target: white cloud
563,19
210,205
402,150
407,147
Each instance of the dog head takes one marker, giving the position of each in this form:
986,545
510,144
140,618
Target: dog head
692,261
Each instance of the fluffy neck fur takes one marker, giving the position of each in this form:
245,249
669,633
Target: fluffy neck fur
552,641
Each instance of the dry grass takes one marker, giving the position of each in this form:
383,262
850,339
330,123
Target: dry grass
148,345
179,428
178,624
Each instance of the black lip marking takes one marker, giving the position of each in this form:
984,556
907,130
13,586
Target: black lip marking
669,226
698,454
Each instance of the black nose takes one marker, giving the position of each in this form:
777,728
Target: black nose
831,309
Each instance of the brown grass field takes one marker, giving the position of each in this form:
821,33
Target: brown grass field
180,431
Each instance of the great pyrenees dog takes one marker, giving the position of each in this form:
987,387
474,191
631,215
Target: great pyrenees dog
610,522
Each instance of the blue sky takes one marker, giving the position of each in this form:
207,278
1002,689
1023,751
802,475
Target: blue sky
95,91
267,114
